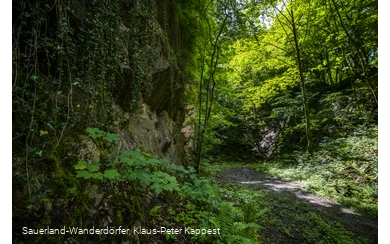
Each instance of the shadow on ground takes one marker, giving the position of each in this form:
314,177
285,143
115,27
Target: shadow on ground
283,191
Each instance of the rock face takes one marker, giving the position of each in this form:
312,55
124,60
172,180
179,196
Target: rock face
150,78
115,65
151,132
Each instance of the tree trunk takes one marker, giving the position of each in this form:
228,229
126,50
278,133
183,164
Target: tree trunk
310,146
210,93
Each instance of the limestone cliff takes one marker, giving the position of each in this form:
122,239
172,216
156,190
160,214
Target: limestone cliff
155,124
114,65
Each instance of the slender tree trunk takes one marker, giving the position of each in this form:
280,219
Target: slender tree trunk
210,93
200,106
209,101
295,45
329,70
310,146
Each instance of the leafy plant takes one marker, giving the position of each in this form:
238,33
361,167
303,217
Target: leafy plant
131,166
345,169
229,219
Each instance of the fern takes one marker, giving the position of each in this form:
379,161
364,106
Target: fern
252,211
232,229
249,210
238,239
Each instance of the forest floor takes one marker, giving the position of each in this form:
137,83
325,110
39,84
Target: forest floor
297,216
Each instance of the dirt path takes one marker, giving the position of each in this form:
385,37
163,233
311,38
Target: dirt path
285,194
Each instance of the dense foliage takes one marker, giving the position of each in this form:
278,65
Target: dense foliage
300,77
290,86
78,65
259,95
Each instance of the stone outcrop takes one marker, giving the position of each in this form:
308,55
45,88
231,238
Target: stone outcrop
111,65
151,132
154,125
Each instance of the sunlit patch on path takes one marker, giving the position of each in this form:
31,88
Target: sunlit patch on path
247,176
330,209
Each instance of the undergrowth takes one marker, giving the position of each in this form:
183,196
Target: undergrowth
134,188
284,220
182,199
212,169
344,169
178,198
201,204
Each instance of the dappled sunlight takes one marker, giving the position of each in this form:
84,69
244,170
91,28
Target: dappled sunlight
250,182
316,200
283,186
288,194
348,211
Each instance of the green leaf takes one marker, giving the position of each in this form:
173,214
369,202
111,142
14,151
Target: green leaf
131,176
83,174
153,162
127,160
155,178
157,187
171,186
125,153
72,191
111,137
162,176
111,174
81,164
191,169
180,168
94,166
143,175
171,178
97,175
94,132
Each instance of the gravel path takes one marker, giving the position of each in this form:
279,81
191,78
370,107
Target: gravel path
363,226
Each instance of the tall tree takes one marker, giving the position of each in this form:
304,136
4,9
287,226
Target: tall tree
215,31
287,20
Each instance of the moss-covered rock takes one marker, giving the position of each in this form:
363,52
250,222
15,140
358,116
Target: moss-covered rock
110,66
